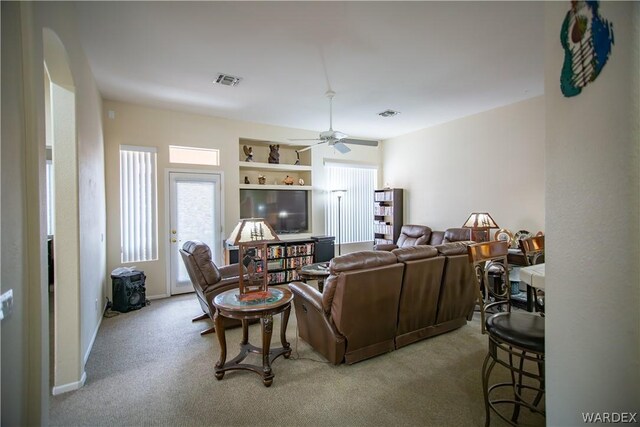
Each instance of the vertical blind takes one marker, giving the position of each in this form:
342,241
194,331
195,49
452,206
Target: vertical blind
138,204
356,204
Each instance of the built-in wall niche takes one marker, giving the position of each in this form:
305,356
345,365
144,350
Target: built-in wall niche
274,173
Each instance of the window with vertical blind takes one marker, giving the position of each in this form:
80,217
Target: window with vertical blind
138,204
356,203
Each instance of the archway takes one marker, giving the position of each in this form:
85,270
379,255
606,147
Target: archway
66,355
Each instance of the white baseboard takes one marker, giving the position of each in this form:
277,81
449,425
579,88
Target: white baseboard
65,388
95,334
157,296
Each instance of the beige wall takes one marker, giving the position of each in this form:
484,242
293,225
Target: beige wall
489,162
25,364
592,203
145,126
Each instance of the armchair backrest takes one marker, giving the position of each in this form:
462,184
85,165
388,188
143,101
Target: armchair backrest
200,267
361,297
412,235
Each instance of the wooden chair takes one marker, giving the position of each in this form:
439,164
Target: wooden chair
518,334
490,257
533,250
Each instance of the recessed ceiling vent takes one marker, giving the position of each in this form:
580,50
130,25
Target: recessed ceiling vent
389,113
227,80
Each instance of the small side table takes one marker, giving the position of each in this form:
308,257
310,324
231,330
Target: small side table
318,271
228,305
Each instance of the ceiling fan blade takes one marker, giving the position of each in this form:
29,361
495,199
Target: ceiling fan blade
343,149
309,147
360,142
304,139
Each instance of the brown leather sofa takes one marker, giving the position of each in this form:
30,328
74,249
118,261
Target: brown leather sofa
208,280
376,301
413,235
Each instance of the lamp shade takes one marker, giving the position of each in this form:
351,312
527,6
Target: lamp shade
480,220
252,230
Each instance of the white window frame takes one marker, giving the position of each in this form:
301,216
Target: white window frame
138,204
356,204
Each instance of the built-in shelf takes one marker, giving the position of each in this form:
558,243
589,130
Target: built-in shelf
275,187
274,166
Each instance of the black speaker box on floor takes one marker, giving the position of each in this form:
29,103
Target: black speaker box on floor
129,292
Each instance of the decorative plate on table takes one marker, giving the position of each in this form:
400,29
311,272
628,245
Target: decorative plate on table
504,235
521,235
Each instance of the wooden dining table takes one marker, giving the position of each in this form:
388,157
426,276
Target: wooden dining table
533,276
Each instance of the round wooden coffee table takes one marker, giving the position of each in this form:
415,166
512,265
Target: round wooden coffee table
263,307
318,271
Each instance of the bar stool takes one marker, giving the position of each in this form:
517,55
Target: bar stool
517,337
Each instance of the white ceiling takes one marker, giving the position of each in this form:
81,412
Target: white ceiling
432,61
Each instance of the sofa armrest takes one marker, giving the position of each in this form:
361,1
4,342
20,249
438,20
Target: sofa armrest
231,270
315,325
308,293
385,247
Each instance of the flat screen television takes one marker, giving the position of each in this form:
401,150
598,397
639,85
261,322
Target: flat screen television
287,211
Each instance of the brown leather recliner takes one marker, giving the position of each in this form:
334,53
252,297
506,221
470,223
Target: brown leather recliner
355,318
410,235
208,280
423,270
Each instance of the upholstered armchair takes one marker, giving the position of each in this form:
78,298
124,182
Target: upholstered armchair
410,235
208,280
355,317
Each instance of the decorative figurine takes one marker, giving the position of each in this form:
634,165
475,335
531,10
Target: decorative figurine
246,180
288,180
261,179
300,181
274,155
248,151
298,158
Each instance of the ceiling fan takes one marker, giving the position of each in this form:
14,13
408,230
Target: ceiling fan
334,138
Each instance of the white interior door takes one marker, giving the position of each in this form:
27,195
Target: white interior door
194,205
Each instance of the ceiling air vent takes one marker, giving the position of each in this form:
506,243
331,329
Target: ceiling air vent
227,80
389,113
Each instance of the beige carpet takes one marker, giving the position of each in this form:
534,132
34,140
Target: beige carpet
151,367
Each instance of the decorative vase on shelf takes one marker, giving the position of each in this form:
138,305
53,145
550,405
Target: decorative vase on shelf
288,180
300,181
246,180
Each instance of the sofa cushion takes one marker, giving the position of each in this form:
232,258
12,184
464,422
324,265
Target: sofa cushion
453,248
360,260
456,235
415,252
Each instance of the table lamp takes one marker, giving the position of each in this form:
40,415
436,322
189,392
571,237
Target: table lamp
480,223
251,236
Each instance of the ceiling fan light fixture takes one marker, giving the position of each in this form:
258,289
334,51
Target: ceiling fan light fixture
227,80
389,113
